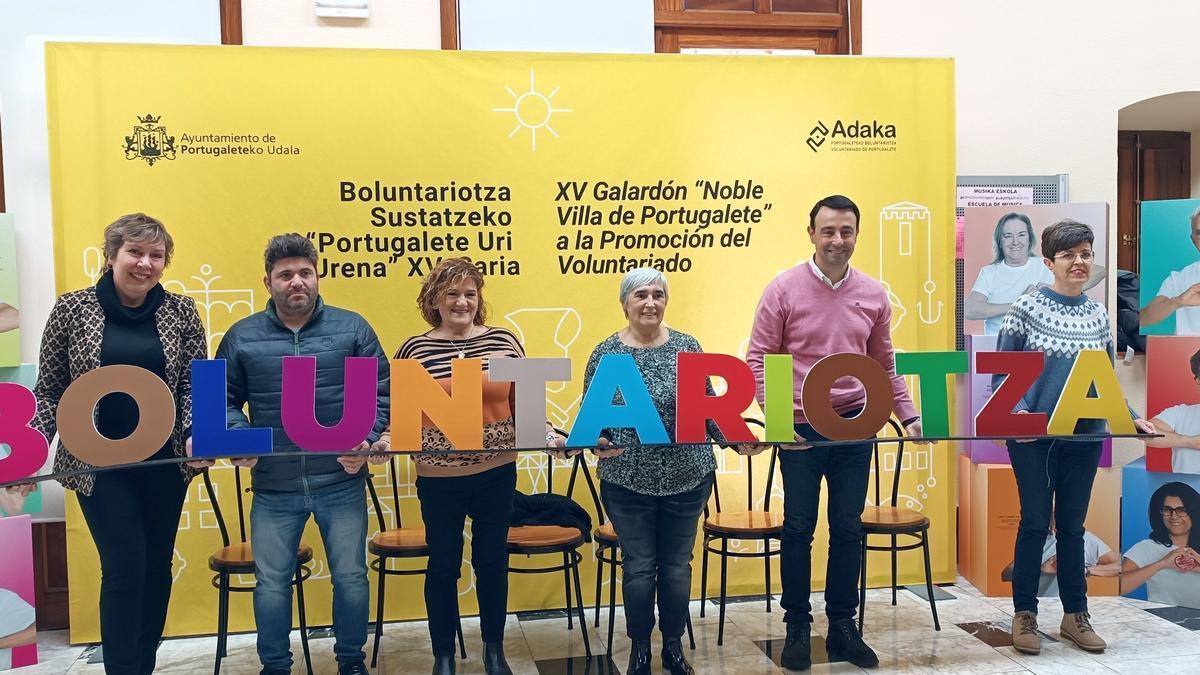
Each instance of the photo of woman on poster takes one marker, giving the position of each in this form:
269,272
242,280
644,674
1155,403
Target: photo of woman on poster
1016,269
17,625
1167,561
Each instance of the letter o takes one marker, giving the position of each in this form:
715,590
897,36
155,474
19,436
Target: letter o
76,420
818,408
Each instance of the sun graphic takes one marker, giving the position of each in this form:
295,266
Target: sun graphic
533,110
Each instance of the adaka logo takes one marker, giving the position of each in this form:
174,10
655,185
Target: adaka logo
853,135
149,141
817,136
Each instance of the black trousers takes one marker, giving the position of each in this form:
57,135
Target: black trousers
847,471
445,503
133,516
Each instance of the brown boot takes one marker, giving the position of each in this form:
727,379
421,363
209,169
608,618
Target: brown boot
1077,628
1024,633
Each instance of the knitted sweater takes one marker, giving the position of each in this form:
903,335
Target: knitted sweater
1060,326
803,316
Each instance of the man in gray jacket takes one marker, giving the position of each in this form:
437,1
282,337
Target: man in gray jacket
287,490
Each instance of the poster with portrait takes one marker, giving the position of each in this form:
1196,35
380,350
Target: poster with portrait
10,317
11,503
18,629
1169,260
1173,402
1002,257
1158,536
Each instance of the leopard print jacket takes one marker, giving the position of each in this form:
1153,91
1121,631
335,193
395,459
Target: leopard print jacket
71,347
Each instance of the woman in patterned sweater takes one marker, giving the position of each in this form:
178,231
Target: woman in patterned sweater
477,484
127,318
653,495
1055,476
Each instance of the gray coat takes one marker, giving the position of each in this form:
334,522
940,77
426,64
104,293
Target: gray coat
253,350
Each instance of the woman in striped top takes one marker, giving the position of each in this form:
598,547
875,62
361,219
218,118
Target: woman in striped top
476,484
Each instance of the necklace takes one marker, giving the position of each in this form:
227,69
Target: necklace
462,353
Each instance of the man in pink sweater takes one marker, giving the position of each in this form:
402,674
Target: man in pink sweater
813,310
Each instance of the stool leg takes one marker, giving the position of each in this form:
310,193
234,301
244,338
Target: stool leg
567,586
612,601
303,620
703,575
862,587
724,582
587,645
691,635
767,569
893,570
929,580
222,618
379,612
599,578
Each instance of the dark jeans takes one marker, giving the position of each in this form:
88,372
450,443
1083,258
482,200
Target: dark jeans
657,535
1052,476
445,503
133,516
847,470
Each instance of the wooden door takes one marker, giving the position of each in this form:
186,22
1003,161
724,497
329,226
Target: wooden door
1151,165
823,26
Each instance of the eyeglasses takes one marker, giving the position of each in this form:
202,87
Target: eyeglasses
1178,512
1067,256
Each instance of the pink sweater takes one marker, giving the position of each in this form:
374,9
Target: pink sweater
801,315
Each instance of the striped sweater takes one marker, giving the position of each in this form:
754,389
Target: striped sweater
436,355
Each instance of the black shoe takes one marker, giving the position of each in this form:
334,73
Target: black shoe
797,650
355,668
639,658
673,659
443,665
493,659
845,642
274,671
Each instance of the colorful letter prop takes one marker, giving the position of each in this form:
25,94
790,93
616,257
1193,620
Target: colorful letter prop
77,428
694,407
931,369
1092,368
996,417
210,436
530,376
456,409
28,448
617,373
818,408
360,402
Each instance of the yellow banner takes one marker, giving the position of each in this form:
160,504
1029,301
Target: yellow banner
554,172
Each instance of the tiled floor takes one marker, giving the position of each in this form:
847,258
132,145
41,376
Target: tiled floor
1143,638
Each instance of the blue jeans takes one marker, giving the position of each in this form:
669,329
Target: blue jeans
657,535
1052,476
847,471
276,522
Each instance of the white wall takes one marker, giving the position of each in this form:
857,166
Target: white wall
24,28
393,24
1040,83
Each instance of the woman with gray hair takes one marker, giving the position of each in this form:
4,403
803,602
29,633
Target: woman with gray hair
127,318
654,495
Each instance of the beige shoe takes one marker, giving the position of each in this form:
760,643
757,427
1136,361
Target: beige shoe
1024,633
1077,628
